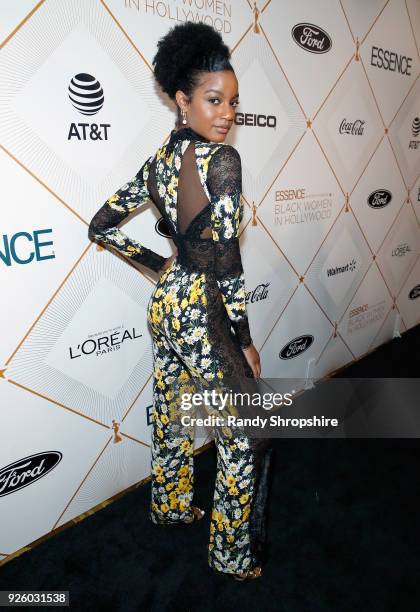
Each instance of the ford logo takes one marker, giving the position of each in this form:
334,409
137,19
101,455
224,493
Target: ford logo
296,346
24,472
162,228
311,38
414,293
379,198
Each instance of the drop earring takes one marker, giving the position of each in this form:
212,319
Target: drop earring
184,117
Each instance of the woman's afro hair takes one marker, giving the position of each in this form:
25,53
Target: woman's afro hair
186,50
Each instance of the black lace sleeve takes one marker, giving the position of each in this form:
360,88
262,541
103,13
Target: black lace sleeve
103,226
224,182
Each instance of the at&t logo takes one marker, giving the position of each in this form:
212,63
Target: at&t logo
415,130
87,96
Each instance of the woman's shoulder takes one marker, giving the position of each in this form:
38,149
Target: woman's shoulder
217,156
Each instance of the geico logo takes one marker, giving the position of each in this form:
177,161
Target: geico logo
290,194
256,120
389,60
22,247
358,310
89,131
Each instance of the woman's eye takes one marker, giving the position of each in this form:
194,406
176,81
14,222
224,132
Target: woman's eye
234,103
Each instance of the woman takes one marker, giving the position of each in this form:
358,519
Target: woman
197,311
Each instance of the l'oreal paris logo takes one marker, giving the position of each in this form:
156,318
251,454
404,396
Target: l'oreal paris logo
414,293
311,38
102,345
24,472
296,346
379,198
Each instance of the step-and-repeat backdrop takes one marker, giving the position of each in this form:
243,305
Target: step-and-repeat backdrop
328,129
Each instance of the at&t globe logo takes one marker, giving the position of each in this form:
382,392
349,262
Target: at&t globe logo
86,94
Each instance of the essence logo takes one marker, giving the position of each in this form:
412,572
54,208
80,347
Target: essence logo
296,346
311,38
87,96
355,128
23,247
379,198
20,474
389,60
255,120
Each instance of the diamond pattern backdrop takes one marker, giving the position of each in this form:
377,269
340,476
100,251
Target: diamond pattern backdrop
328,129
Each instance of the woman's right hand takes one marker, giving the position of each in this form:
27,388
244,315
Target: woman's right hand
168,262
253,358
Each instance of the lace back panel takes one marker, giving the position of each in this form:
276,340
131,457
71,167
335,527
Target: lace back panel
193,211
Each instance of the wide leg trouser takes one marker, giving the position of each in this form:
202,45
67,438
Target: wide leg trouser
238,517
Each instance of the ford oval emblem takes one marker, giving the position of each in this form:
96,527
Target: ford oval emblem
379,198
311,38
162,228
414,293
24,472
296,346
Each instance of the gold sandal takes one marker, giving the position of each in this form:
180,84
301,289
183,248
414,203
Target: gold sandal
198,514
249,574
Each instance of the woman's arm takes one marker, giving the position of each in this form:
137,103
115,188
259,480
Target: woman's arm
103,226
224,182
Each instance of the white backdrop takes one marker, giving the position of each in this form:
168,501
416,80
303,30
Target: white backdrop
328,129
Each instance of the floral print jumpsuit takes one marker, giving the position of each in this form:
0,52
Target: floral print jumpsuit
199,324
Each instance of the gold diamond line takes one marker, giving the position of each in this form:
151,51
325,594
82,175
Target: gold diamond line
28,16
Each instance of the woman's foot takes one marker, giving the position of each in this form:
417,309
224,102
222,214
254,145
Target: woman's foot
250,574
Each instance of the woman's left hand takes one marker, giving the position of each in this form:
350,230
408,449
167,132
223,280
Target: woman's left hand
253,358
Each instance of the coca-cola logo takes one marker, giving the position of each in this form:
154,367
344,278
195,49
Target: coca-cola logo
259,293
296,347
355,128
312,38
414,293
401,249
24,472
379,198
